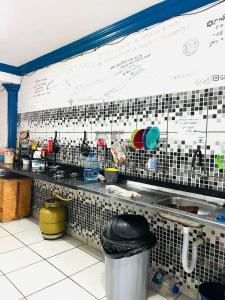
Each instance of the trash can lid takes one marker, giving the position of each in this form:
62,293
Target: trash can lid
212,290
127,235
127,227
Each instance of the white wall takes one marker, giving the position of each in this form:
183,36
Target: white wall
9,78
3,118
181,54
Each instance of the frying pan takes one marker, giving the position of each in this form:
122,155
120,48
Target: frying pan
85,149
56,146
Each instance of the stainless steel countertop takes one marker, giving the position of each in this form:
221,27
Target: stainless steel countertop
150,195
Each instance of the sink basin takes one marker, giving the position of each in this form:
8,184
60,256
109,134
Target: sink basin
190,205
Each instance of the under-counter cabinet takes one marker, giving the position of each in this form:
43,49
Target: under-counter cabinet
15,198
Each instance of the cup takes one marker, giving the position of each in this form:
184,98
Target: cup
151,164
111,175
101,143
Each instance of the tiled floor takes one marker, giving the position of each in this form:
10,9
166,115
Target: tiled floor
36,269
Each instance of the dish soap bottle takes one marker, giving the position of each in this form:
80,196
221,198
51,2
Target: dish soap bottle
91,168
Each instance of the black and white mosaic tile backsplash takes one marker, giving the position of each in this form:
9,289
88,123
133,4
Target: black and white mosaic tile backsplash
89,213
116,120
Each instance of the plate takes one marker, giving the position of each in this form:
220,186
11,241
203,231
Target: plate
132,137
138,144
144,136
152,138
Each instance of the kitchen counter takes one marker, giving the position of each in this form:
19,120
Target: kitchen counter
151,196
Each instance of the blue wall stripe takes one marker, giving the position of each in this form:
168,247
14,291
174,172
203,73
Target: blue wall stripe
12,90
9,69
150,16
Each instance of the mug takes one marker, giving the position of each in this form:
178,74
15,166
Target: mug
151,164
101,143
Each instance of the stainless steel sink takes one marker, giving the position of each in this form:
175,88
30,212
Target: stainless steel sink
191,205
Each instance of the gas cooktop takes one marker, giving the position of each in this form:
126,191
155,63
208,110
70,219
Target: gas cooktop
58,172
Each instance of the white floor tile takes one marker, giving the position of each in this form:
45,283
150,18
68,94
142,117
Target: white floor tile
30,236
9,243
33,219
8,291
19,226
87,248
13,260
156,297
73,241
35,277
65,289
152,296
3,232
182,297
93,280
73,261
50,248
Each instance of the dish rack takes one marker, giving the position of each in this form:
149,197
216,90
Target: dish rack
135,158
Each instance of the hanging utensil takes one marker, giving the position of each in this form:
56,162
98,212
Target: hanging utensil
85,149
56,146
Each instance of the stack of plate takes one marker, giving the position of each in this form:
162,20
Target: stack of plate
145,138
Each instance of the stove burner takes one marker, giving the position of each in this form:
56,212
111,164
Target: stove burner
74,174
54,167
58,176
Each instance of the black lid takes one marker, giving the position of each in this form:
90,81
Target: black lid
128,227
127,235
212,290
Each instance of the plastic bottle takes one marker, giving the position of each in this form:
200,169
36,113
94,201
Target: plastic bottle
171,288
91,168
165,284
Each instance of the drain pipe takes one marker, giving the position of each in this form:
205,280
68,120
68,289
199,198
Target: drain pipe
199,241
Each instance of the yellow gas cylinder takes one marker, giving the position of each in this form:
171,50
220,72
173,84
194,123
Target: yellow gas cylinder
52,219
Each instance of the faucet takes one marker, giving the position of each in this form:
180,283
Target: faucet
197,153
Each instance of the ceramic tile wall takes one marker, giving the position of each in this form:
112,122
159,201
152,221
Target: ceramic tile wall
116,120
88,215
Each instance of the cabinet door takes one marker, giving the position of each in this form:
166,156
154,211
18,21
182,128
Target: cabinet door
1,199
9,199
24,198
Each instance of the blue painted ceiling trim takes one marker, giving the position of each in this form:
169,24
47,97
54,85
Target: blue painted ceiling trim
150,16
9,69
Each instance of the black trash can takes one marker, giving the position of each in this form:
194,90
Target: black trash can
127,242
212,291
